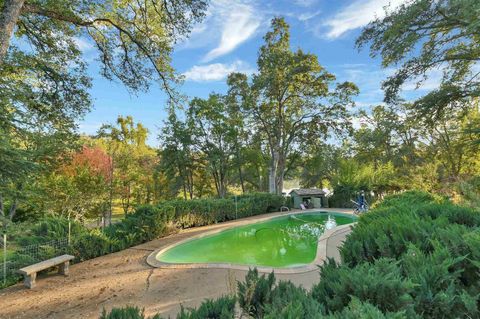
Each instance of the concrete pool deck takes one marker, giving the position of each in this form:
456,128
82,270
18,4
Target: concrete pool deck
125,278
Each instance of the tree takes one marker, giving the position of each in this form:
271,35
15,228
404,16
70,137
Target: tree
177,156
24,156
428,35
134,38
214,137
453,147
79,187
14,166
319,162
125,143
290,98
43,80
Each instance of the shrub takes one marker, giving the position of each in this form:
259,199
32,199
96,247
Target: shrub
200,212
91,245
146,223
222,308
126,313
46,229
290,301
439,292
388,230
255,293
412,198
380,284
364,310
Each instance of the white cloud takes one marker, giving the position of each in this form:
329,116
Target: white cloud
358,14
432,82
83,44
237,22
308,15
304,3
215,71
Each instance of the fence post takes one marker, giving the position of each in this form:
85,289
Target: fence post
69,229
236,208
4,258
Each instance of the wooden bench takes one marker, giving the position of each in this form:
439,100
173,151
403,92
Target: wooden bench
30,272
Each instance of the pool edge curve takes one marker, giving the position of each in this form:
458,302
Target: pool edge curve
320,258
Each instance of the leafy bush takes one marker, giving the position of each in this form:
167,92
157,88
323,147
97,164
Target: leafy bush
91,245
255,293
380,283
44,230
412,198
222,308
200,212
289,301
146,223
126,313
364,310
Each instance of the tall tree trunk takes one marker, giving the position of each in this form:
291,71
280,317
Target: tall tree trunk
13,209
281,166
277,172
272,174
184,190
190,181
8,19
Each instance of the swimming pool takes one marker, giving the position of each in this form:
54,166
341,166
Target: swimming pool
285,241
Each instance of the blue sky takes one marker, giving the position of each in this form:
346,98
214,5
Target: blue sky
228,40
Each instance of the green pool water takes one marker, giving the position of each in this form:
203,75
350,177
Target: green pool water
285,241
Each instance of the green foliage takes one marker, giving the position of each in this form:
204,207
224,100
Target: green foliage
292,96
200,212
255,293
126,313
470,190
146,223
289,301
411,198
215,136
221,308
45,229
425,35
91,244
351,176
380,283
364,310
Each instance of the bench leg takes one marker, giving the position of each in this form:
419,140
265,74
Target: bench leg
29,280
64,268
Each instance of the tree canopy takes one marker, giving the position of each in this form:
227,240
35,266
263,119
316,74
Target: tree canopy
290,99
428,36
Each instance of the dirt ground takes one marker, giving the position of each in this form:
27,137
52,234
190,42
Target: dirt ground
124,278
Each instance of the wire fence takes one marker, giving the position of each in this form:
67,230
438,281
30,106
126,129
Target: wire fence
14,257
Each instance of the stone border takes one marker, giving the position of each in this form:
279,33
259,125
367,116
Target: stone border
320,258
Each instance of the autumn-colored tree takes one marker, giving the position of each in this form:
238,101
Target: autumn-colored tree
79,187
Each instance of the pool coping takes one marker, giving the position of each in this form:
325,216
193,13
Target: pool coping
320,257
